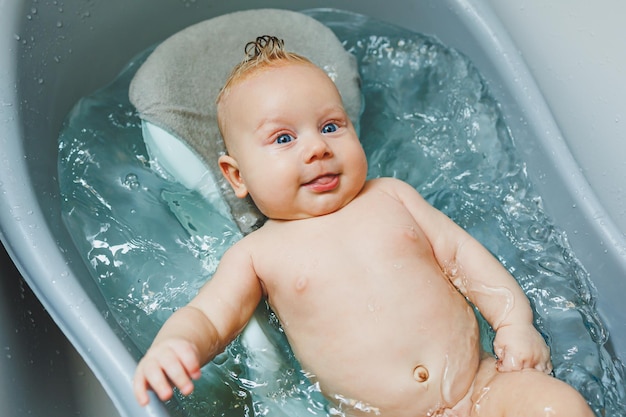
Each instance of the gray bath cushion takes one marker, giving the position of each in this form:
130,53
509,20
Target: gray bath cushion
175,89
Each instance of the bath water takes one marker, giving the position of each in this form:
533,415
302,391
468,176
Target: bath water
428,119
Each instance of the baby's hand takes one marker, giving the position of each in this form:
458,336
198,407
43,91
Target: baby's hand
520,346
169,363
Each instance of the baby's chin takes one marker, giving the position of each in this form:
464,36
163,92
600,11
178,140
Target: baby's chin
304,214
300,216
321,205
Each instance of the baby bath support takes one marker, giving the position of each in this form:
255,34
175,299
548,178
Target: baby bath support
53,53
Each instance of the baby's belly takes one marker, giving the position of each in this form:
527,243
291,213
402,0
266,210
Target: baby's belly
407,359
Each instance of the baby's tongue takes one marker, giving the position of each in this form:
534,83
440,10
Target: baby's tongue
326,179
323,183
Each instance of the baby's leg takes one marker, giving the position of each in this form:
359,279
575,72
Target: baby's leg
527,393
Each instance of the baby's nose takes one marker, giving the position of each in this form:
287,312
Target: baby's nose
317,148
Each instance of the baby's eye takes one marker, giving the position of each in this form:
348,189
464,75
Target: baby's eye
330,128
284,138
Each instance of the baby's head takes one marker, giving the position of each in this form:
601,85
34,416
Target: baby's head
261,54
290,143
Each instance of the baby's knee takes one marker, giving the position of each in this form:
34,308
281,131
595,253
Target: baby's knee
530,394
567,402
555,398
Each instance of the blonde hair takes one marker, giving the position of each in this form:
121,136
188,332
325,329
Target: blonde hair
264,52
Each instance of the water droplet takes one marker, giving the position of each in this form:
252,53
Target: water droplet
59,24
538,233
131,181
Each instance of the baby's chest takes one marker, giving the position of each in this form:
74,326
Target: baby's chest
379,232
346,251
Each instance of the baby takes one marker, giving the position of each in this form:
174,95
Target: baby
370,283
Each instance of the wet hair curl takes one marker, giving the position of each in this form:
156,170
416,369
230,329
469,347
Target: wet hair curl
264,52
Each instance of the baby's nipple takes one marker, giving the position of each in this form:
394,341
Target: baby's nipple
420,373
301,284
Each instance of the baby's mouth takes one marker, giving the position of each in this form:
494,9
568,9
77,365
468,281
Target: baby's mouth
326,182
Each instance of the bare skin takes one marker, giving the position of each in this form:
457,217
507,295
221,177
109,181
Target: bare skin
368,280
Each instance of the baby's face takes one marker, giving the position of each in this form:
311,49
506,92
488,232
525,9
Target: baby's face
294,147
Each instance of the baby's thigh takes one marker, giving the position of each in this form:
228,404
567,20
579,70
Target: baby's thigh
527,393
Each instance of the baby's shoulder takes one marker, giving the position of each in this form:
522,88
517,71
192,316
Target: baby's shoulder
389,185
400,192
248,251
383,182
262,237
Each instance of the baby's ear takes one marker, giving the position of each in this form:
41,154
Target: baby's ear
230,171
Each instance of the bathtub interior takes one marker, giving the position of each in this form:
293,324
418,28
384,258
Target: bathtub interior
59,52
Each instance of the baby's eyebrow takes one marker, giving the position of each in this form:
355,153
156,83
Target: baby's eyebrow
333,110
268,123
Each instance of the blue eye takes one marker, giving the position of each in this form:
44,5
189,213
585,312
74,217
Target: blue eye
284,138
330,128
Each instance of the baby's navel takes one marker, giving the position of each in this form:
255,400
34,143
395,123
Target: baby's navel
420,373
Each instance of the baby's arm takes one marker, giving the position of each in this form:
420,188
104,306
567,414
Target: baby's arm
195,333
485,282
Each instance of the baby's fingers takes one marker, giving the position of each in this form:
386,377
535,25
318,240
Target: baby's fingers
178,375
151,377
544,366
510,359
188,358
173,364
507,362
140,389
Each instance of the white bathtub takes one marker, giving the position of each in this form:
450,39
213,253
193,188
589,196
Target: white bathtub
53,54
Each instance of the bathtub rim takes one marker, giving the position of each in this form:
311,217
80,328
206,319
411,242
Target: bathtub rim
22,238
